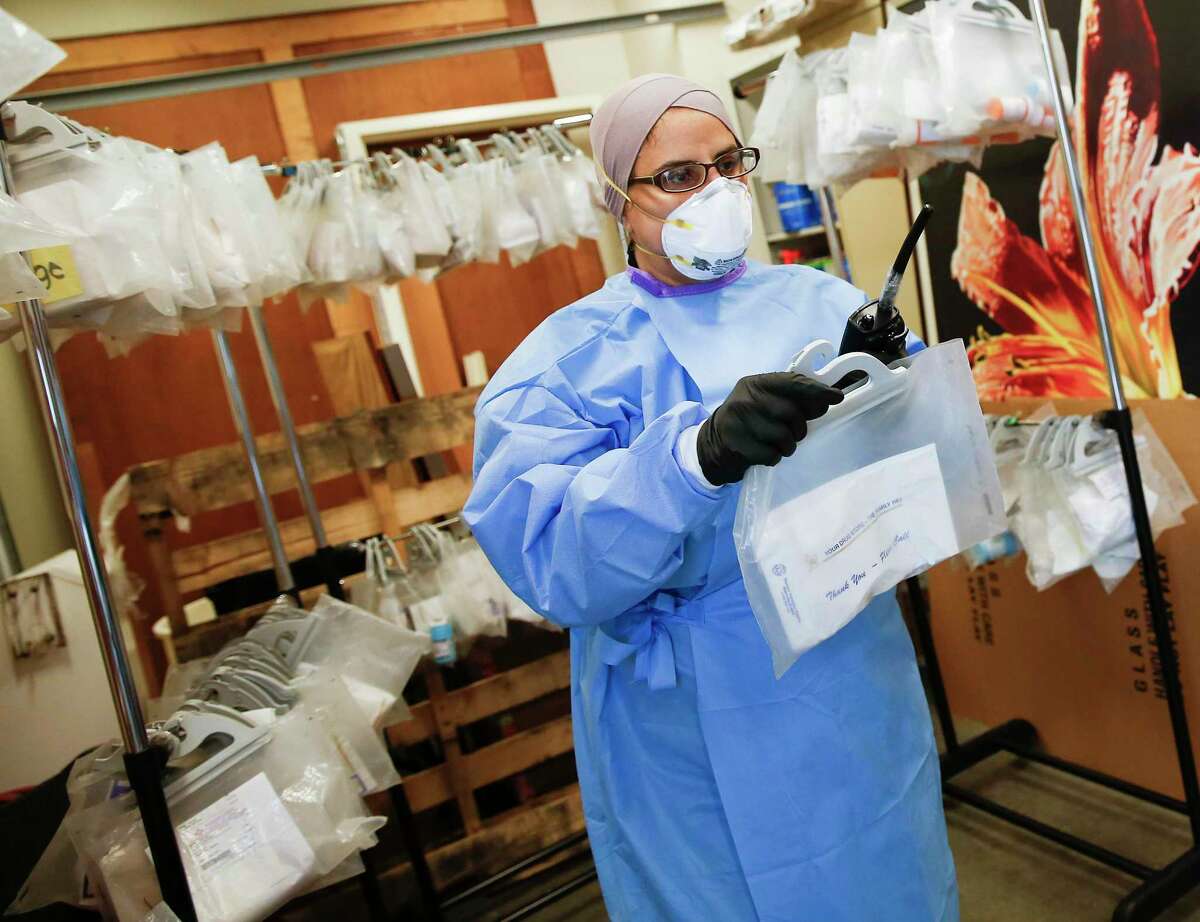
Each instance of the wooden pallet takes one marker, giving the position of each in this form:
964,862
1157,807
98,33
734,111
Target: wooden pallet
366,443
216,478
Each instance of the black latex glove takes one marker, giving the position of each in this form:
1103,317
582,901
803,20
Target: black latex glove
761,422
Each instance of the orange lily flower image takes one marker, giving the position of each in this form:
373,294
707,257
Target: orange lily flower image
1142,206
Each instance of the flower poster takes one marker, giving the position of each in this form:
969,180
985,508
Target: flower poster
1006,268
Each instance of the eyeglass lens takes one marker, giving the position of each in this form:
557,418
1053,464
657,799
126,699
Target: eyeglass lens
687,176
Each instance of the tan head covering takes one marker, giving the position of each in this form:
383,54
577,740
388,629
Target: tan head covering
623,121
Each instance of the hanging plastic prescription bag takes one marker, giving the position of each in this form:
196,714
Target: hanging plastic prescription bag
896,478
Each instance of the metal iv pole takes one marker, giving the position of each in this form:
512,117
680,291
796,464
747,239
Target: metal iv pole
262,497
399,798
143,762
325,553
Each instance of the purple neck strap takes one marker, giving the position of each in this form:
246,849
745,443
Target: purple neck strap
662,290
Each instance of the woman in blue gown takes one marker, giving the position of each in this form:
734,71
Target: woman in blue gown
711,790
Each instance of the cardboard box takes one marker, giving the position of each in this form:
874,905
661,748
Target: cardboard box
1080,664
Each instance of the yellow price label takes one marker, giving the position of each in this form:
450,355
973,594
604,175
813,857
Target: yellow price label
55,268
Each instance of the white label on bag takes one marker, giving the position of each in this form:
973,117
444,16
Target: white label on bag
245,850
427,613
1110,480
827,553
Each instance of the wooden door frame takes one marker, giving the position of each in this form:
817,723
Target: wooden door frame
354,138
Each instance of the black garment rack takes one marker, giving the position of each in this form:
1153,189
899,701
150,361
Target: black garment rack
1159,887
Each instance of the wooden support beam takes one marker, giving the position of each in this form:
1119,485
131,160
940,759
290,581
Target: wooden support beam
453,773
215,478
164,573
491,763
202,565
291,109
381,497
493,695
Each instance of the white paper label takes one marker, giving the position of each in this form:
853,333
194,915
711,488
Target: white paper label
827,553
245,852
1110,481
427,613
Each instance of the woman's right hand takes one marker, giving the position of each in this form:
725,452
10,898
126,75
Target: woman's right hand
761,422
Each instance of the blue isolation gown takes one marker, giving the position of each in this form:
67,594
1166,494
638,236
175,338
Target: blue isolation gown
711,790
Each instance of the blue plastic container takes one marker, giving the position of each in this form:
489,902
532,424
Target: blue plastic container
444,652
798,209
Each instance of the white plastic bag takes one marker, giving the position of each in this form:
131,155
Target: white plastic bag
447,207
280,269
473,593
375,658
468,213
476,180
252,837
580,190
516,230
991,72
539,191
842,155
891,481
399,257
24,55
345,245
384,589
192,287
325,694
105,206
1073,509
422,217
21,229
298,209
872,120
223,230
789,123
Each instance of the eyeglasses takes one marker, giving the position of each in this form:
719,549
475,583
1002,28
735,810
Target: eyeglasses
684,177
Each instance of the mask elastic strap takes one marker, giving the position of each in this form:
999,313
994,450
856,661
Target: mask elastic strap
674,222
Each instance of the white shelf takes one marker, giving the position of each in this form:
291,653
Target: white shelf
784,236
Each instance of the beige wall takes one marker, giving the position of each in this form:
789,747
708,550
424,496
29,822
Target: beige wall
28,486
57,704
61,19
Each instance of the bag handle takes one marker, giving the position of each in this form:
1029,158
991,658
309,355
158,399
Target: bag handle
1061,445
1095,447
882,383
1037,444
